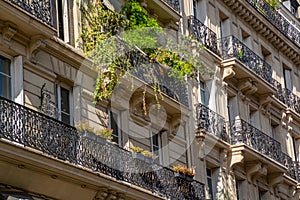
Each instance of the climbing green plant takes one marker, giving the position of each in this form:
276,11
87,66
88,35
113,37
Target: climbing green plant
112,52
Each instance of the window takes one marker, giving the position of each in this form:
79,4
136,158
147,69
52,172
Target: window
287,78
195,2
209,183
253,117
156,145
202,93
64,105
113,124
62,20
295,149
238,189
5,78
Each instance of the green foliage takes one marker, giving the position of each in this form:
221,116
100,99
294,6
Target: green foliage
110,52
273,3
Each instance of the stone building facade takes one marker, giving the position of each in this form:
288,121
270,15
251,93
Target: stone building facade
239,129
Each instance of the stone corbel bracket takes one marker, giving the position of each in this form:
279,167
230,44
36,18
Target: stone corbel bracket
9,30
256,169
265,102
247,86
36,42
228,73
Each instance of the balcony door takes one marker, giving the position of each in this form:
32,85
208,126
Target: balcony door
5,78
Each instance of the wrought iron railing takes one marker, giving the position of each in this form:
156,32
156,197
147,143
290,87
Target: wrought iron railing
211,122
234,48
287,97
277,19
289,164
42,10
174,4
154,74
297,170
203,34
243,132
30,128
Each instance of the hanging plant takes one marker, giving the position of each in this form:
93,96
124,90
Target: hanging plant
115,55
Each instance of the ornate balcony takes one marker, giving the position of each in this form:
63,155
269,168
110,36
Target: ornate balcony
155,73
203,34
289,164
275,18
174,4
23,126
211,122
233,48
42,10
297,171
287,97
244,133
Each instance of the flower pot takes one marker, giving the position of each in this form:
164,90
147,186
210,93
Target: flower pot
189,178
179,175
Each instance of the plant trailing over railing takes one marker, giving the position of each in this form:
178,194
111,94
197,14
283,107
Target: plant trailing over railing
105,133
115,55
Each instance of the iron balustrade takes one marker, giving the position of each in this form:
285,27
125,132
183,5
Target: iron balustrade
292,100
297,170
203,34
277,19
153,73
211,122
234,48
244,133
42,10
289,164
174,4
24,126
287,97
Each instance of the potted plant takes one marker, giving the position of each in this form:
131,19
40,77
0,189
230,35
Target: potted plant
99,135
148,156
141,154
136,153
184,172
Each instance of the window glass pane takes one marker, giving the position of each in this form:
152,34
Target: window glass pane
6,66
6,86
5,78
114,126
65,105
65,102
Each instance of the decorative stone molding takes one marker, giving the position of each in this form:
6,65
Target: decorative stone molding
275,179
265,103
237,156
247,86
8,31
106,194
228,73
36,42
287,120
255,169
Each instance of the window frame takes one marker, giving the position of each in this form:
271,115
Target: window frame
118,123
58,102
158,146
10,76
209,180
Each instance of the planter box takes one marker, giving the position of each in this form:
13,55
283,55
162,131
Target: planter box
184,176
141,157
92,136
